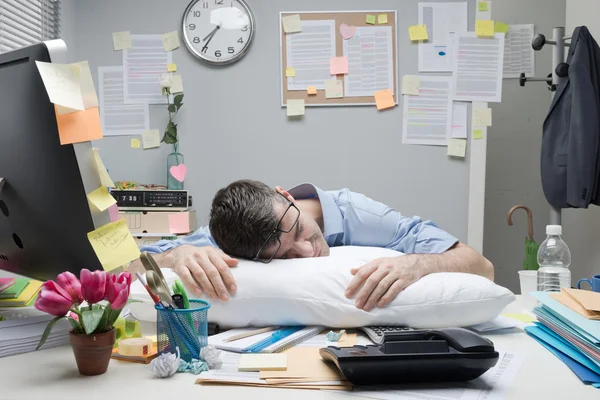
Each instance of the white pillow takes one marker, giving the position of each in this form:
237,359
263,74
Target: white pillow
310,291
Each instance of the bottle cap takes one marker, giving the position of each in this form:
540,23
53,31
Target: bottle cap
553,230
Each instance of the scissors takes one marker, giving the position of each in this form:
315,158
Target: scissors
159,279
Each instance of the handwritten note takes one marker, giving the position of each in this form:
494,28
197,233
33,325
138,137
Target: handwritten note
114,245
170,41
88,91
101,199
290,72
338,65
410,85
172,67
311,90
176,84
384,99
151,139
80,126
482,6
477,133
457,147
295,107
179,222
334,89
370,19
484,28
482,117
501,27
292,23
122,40
102,172
135,143
62,83
418,32
113,212
382,19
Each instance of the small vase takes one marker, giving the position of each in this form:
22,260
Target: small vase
92,352
174,159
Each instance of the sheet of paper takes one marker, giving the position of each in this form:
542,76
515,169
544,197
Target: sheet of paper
311,90
485,28
478,65
427,118
118,118
370,19
338,65
519,56
172,68
176,84
477,132
295,107
151,139
418,32
62,83
457,148
370,61
113,211
292,23
263,362
102,172
460,113
143,66
442,21
114,245
179,222
499,323
501,27
135,143
382,19
88,91
410,85
312,68
121,40
483,11
101,199
170,40
482,117
79,126
384,99
334,89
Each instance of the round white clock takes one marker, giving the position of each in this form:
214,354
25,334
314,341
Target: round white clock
218,32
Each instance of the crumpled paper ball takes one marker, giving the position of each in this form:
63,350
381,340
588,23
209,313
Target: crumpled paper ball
166,364
212,356
334,337
197,366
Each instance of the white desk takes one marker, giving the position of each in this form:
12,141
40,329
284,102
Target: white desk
52,374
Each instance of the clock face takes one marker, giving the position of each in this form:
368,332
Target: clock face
218,32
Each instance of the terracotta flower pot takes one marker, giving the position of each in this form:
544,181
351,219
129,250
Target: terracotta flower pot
92,352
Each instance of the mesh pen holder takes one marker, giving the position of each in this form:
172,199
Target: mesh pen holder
183,328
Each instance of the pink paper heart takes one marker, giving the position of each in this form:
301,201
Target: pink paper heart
178,172
347,31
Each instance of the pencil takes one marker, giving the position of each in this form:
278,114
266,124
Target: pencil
251,333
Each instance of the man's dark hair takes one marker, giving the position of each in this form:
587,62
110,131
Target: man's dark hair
242,216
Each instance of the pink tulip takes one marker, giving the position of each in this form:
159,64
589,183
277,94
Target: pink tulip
117,290
53,299
93,285
71,284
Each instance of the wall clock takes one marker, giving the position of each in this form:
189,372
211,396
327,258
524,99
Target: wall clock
218,32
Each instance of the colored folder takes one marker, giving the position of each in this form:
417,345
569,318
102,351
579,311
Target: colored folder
5,283
15,290
26,298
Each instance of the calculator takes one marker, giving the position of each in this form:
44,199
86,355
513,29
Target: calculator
375,333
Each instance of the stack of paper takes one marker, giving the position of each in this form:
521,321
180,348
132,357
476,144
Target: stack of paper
21,294
21,333
569,335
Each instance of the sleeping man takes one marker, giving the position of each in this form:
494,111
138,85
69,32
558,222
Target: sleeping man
250,220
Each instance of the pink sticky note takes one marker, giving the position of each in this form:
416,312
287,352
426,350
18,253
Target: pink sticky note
179,222
338,65
178,172
114,213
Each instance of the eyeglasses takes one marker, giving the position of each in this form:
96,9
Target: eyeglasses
292,209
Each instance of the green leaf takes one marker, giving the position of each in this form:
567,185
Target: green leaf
171,108
91,320
102,325
47,331
76,326
178,100
112,316
164,91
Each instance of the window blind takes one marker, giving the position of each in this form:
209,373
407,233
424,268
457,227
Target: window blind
26,22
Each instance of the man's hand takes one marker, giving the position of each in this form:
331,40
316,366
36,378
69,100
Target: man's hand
381,281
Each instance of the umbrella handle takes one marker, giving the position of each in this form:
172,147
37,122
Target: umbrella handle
529,218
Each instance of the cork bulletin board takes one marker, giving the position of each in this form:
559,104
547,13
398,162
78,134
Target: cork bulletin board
352,18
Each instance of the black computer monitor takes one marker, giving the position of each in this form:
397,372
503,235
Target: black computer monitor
44,212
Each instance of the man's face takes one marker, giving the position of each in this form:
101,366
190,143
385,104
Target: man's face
303,241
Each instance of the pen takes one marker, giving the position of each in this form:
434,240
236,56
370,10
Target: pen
251,333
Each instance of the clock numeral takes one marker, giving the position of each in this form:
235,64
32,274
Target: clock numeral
205,4
204,49
191,27
245,29
218,53
196,39
240,40
230,50
197,14
219,2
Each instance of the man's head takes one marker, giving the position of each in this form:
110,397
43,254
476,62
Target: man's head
249,216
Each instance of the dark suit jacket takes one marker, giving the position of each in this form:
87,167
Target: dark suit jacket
570,157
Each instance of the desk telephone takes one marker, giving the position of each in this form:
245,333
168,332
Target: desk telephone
442,355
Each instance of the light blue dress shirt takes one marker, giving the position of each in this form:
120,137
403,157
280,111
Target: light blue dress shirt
351,219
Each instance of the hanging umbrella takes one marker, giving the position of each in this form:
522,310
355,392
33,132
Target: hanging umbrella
531,247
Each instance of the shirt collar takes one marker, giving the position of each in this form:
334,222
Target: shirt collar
333,222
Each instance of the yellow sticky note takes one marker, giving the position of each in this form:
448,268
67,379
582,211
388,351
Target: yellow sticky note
477,133
291,23
311,90
295,108
334,89
176,84
290,72
102,172
135,143
482,117
484,28
384,99
122,40
418,32
521,317
101,199
371,19
410,85
382,19
151,139
170,41
263,362
501,27
63,84
172,67
482,6
457,148
114,245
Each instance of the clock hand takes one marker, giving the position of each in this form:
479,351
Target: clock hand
211,34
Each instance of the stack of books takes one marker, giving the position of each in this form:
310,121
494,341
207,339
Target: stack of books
568,326
20,293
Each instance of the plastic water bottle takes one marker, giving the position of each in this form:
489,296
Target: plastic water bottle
554,259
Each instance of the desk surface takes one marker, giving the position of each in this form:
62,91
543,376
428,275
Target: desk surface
52,373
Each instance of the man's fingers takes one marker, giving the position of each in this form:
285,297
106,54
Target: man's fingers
198,273
232,262
392,292
370,285
214,275
186,276
359,278
226,276
382,287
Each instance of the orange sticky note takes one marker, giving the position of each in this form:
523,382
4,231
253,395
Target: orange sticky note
79,126
311,90
338,65
384,99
